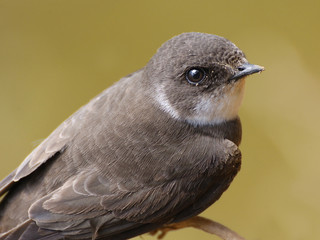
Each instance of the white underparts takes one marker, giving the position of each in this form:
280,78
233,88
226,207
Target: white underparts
219,107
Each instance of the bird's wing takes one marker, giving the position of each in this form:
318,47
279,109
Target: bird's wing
91,204
36,158
54,144
89,196
58,140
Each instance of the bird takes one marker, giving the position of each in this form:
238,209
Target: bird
159,146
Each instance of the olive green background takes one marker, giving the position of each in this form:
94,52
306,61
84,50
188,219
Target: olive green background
56,55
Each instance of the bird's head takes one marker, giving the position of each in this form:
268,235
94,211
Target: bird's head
199,78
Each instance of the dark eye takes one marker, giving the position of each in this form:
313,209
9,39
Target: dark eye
195,75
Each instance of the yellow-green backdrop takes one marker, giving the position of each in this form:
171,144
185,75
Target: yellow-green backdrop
55,55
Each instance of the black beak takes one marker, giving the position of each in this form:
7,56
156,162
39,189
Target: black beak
246,69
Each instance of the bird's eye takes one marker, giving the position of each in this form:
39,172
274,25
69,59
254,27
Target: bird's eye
195,75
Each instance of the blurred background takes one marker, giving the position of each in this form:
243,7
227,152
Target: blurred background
56,55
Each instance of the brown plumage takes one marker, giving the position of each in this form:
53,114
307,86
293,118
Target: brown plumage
159,146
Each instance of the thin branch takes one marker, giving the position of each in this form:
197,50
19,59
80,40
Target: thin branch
203,224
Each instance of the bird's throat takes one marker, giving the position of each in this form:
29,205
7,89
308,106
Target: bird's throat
223,105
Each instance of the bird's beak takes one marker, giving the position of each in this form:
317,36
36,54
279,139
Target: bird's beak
246,69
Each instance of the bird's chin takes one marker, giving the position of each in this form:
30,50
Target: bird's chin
223,105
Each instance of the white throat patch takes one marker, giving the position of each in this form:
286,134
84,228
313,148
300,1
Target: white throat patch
212,109
217,109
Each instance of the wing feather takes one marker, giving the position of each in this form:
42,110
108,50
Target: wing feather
90,203
55,143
